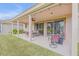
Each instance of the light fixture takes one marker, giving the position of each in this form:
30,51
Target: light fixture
33,19
51,12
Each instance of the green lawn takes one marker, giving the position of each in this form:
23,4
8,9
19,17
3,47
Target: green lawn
78,49
12,46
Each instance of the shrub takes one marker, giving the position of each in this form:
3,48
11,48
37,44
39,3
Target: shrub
15,31
21,31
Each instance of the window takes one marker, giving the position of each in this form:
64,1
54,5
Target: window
39,27
55,27
25,25
49,28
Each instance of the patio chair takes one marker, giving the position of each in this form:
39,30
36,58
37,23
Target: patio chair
54,40
35,33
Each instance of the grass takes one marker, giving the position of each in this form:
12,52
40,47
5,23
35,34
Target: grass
12,46
78,49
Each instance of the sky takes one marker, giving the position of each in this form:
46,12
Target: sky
10,10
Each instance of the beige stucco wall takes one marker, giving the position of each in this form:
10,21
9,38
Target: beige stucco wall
7,28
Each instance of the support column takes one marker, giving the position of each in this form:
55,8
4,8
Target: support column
1,27
12,27
30,27
45,29
17,27
24,27
33,26
75,29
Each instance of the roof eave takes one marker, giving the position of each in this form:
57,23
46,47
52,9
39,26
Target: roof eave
33,9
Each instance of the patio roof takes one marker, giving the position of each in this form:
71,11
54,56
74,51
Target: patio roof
43,12
31,10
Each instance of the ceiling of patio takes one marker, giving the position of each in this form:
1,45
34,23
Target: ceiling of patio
49,13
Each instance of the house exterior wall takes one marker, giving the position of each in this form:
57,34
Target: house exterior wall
7,28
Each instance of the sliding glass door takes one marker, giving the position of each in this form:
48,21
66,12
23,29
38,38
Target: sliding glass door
56,28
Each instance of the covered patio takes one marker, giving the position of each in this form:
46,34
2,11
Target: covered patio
52,14
45,43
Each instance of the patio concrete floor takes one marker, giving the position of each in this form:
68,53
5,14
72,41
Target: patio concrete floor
44,42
